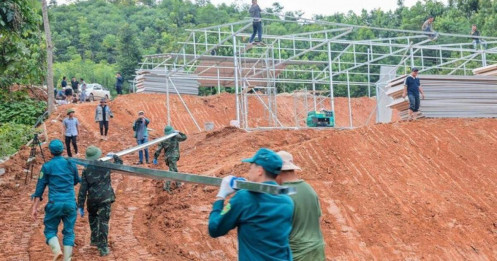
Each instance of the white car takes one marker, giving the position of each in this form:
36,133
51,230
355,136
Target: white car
95,91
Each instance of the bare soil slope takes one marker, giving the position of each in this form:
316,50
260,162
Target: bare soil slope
417,190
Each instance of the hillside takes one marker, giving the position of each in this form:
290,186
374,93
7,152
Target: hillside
407,190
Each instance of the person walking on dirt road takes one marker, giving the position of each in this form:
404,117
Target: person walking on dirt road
119,83
71,131
82,95
412,89
255,13
306,238
60,176
102,116
264,221
171,151
141,134
96,190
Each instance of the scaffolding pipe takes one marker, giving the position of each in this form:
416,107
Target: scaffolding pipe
350,106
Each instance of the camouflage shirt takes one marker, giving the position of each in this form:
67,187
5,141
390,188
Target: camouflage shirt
96,185
170,146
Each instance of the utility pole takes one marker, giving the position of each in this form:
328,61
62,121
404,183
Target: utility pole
48,38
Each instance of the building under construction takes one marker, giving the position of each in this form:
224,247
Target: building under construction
220,56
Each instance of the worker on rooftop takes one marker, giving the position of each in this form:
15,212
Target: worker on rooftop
476,38
96,186
264,221
306,238
428,28
255,13
171,151
60,176
412,89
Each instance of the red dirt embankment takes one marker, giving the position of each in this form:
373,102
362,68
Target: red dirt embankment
410,190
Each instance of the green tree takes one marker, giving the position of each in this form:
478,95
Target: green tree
129,55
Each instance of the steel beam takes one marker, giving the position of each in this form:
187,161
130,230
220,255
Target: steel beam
186,177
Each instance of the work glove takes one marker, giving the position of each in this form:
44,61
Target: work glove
155,162
81,212
226,188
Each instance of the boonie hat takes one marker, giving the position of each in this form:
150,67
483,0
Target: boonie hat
141,113
56,147
93,153
287,161
70,111
168,130
267,159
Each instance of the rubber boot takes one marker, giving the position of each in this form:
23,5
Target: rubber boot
167,186
104,251
67,253
55,246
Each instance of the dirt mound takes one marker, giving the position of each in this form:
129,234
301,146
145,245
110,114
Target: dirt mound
417,190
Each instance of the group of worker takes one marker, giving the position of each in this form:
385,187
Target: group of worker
287,227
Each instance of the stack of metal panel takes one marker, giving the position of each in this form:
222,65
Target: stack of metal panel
154,81
449,96
490,70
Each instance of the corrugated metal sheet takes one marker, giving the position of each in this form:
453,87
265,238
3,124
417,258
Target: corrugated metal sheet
450,96
154,81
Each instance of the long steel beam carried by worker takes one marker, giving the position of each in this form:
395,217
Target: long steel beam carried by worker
186,177
137,148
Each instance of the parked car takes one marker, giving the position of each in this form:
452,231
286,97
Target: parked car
95,91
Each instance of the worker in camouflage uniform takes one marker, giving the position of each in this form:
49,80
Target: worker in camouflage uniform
171,149
96,185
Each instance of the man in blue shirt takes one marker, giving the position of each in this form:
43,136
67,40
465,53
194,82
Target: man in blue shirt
60,176
141,134
264,221
412,89
71,130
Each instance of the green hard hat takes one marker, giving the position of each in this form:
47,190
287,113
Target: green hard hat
168,130
69,111
93,153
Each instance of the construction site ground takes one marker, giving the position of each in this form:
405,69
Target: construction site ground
422,190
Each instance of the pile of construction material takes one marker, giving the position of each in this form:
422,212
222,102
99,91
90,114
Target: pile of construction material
449,96
154,81
490,70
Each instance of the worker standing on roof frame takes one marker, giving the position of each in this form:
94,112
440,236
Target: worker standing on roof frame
412,89
255,13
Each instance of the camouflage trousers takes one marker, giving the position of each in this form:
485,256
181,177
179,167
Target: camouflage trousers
172,163
98,217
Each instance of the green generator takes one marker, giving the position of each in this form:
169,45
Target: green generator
321,119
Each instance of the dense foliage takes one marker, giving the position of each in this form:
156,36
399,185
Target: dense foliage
117,32
21,42
17,107
13,136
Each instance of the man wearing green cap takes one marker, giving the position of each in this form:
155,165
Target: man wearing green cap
96,185
264,221
60,176
306,238
171,149
71,130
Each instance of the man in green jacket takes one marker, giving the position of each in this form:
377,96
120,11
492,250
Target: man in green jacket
171,151
306,239
264,221
97,188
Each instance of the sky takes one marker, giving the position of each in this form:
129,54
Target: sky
323,7
327,7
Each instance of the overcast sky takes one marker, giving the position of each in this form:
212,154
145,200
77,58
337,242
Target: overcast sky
324,7
328,7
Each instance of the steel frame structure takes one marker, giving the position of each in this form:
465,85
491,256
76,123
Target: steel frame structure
220,56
